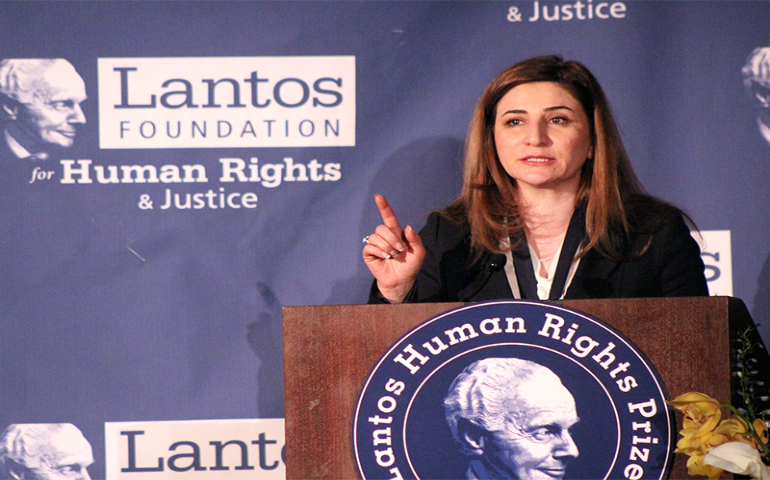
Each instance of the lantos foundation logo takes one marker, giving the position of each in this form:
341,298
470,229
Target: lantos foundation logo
226,102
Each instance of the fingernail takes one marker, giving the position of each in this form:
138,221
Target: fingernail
385,255
400,247
394,253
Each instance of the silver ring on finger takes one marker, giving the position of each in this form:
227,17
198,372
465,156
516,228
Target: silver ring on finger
366,240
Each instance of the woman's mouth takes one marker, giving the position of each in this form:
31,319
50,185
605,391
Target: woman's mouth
537,159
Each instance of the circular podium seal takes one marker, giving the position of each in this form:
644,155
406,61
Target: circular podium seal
513,389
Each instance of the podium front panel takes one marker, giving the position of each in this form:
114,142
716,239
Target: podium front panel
330,350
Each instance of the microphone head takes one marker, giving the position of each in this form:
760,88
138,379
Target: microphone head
496,261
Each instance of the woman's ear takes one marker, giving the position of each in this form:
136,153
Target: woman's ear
472,436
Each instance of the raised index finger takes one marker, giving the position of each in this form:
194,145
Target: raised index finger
388,216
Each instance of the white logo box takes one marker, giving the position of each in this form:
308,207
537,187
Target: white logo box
195,449
716,252
226,102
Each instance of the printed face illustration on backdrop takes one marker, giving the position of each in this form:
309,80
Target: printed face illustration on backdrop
48,451
756,78
40,105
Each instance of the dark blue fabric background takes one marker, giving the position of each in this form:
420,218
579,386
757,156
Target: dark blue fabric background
91,333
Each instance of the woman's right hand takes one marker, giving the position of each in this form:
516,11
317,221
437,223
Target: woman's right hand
394,256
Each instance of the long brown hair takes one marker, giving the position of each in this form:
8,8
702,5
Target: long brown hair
608,188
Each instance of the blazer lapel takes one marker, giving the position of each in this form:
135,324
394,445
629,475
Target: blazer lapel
592,278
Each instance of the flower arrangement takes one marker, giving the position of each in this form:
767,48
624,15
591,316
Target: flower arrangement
738,444
715,445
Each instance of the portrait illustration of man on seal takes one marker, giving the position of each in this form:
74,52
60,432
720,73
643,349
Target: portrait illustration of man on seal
512,418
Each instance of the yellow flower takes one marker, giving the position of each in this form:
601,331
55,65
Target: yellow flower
735,428
700,411
703,432
700,444
695,466
689,441
761,429
714,440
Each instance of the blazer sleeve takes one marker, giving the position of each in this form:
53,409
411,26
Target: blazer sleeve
670,267
682,271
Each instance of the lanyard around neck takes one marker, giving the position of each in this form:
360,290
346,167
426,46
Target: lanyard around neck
522,262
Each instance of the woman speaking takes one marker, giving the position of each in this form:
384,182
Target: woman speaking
550,207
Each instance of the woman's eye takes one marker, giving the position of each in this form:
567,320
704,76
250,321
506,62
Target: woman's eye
558,120
513,121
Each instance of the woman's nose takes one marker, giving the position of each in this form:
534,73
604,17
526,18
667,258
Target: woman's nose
537,134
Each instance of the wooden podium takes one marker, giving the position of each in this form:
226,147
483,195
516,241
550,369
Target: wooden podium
330,350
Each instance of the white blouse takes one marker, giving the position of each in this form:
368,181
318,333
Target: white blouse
543,283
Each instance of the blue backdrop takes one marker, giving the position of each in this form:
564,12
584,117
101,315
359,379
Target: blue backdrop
111,312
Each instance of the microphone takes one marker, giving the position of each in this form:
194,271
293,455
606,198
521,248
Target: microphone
493,263
496,261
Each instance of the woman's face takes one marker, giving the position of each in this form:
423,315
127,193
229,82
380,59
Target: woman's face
542,136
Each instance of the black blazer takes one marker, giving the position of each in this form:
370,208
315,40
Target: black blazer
671,267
